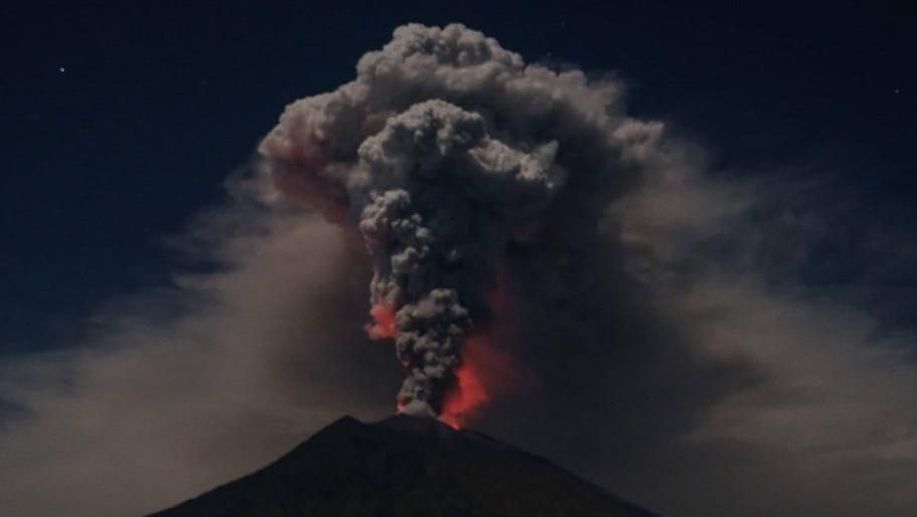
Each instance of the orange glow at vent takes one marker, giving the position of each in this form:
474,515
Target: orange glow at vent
383,325
473,388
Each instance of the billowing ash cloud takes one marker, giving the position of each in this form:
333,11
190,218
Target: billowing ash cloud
674,356
445,148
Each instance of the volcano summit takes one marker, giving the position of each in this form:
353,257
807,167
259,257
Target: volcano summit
406,466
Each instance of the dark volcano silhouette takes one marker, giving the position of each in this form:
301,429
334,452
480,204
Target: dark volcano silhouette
406,467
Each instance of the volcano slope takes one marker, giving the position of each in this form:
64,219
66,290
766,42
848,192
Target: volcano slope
406,467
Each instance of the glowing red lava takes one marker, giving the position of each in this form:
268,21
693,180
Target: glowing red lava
470,391
383,325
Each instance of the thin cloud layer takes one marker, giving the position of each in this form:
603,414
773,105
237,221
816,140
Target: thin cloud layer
238,366
827,423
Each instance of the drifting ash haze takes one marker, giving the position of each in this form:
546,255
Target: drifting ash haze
532,247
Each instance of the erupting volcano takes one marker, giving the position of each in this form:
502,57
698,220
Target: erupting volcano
443,150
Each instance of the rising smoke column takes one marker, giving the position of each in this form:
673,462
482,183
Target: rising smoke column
444,148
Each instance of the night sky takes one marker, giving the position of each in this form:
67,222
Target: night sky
157,103
122,120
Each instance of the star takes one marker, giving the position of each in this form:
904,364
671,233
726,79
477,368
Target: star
61,69
897,91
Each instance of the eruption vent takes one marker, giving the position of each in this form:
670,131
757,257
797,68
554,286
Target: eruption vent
445,147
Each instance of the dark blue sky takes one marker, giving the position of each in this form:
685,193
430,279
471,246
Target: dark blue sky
121,119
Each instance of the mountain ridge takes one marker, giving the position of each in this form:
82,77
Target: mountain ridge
406,466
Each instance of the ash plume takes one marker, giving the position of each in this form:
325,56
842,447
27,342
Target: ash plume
444,149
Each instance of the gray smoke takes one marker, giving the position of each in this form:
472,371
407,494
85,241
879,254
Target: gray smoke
445,148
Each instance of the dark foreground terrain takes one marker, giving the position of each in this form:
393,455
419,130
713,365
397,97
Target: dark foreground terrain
406,467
